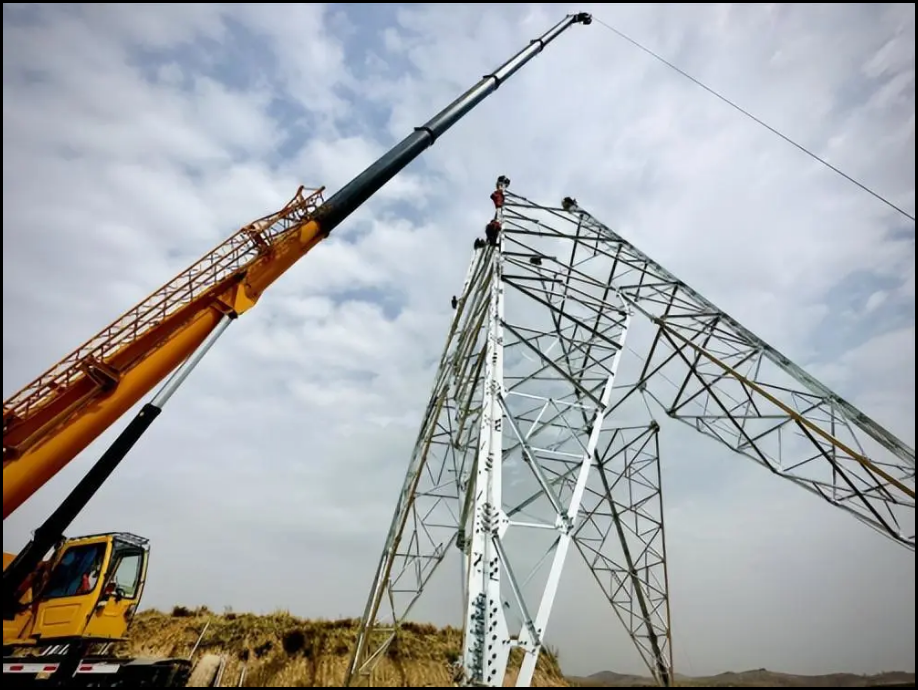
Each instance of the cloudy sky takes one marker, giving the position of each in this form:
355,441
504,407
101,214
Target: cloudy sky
137,137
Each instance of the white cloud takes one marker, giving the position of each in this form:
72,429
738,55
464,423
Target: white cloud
135,138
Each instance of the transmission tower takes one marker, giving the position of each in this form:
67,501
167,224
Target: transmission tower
535,433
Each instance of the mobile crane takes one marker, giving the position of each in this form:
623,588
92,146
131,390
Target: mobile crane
88,589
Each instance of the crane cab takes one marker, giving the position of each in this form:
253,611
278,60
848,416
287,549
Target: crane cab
88,591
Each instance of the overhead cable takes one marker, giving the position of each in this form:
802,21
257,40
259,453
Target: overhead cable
755,119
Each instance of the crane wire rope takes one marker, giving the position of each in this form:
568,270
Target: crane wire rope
752,117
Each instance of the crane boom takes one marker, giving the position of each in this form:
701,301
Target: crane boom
52,419
55,417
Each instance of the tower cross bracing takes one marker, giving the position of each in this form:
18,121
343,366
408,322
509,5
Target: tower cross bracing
537,442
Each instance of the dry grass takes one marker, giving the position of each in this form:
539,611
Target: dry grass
280,650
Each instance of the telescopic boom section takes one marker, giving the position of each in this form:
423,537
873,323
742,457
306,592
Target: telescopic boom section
50,421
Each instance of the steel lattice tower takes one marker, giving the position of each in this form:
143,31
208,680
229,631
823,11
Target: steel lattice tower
531,430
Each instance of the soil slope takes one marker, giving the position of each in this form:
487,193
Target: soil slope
280,650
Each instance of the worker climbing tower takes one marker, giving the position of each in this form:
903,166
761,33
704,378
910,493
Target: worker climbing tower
539,444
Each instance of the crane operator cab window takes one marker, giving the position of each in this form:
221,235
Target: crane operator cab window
76,573
127,568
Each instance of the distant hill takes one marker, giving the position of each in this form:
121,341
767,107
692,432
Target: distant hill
759,678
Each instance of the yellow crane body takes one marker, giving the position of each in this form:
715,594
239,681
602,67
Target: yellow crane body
91,588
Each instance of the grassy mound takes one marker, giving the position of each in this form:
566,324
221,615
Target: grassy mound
280,650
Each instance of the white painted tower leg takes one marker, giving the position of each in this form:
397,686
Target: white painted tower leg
532,636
